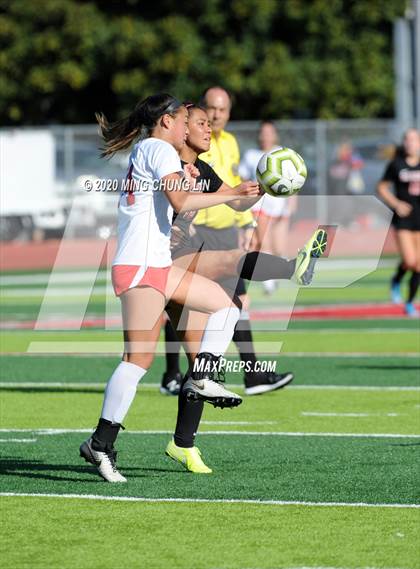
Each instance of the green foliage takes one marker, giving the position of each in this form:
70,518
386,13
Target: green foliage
61,60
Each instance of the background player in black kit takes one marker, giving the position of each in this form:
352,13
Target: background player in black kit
403,173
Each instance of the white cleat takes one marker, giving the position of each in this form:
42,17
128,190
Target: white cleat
211,391
105,462
202,384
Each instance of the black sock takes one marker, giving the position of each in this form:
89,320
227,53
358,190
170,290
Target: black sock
105,435
401,270
243,340
188,420
413,286
257,266
173,347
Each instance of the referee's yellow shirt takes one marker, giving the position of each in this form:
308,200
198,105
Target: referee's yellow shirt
223,157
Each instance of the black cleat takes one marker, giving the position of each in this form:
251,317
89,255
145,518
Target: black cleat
171,383
264,382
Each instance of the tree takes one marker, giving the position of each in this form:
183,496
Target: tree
60,60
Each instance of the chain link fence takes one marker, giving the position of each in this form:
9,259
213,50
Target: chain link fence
345,157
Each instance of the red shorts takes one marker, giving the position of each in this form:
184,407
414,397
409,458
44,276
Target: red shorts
125,277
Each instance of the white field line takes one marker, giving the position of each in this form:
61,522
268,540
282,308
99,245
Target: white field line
348,355
358,387
60,292
323,331
34,384
238,422
61,277
333,330
98,348
67,277
208,501
319,414
49,431
115,324
17,440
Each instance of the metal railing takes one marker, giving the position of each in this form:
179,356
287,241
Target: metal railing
321,143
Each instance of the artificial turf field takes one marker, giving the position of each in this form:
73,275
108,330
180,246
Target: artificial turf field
321,474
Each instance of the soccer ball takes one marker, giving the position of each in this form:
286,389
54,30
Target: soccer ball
281,172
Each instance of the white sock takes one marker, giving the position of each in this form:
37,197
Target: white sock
219,331
120,391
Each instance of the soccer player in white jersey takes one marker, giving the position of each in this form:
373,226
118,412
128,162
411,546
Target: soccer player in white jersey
143,275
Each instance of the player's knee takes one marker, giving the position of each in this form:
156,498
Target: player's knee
411,263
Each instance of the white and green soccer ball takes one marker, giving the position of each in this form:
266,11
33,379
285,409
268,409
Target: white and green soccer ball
281,172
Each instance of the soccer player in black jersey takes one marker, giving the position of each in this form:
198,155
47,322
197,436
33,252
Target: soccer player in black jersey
403,174
218,265
224,261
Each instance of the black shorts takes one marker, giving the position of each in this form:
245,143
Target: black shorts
409,223
208,239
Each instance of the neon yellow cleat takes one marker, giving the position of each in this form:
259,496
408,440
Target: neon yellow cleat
306,258
190,458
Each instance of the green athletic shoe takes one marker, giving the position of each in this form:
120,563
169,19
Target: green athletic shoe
190,458
307,256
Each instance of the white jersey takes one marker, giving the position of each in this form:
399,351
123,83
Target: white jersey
145,215
274,207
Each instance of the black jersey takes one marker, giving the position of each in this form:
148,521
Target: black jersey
406,181
208,181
